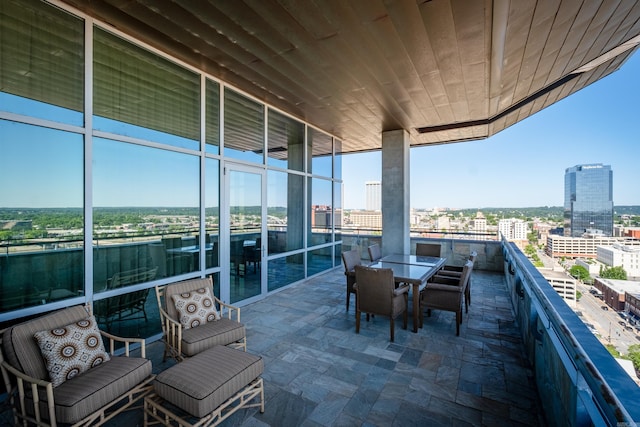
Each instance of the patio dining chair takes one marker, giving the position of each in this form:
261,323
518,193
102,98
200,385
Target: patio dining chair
350,259
377,294
375,253
428,249
456,271
446,293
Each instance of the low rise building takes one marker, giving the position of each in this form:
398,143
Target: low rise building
367,219
582,247
564,284
615,293
620,255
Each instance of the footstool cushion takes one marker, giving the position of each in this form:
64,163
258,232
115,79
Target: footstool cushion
202,383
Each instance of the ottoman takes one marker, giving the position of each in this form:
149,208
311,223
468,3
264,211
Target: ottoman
209,386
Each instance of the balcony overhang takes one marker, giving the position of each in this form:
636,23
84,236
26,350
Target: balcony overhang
444,71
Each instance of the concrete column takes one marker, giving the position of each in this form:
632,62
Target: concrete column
395,192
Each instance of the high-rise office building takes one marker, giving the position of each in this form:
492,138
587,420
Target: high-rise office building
588,200
373,200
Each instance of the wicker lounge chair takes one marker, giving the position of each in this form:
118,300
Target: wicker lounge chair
50,391
183,339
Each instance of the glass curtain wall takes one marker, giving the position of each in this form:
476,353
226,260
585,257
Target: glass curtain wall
41,177
134,176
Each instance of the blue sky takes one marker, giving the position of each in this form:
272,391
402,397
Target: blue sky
523,166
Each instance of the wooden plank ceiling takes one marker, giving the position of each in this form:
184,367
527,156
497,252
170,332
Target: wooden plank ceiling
445,70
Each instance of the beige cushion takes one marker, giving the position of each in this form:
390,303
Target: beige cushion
72,349
195,308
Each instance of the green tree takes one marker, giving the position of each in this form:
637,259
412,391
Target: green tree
614,273
613,350
634,355
579,272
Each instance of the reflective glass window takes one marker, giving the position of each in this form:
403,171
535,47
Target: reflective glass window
243,128
285,271
337,209
212,212
41,62
337,160
285,146
319,260
285,207
320,211
213,117
245,210
146,214
320,149
41,215
142,95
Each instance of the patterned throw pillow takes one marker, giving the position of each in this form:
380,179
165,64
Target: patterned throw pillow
195,308
72,349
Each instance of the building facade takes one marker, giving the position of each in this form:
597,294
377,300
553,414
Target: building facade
588,200
366,219
621,255
563,284
141,164
576,247
513,229
373,195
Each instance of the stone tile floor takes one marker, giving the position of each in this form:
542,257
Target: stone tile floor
319,372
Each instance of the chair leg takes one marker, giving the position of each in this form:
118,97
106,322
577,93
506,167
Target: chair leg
458,321
391,328
467,296
404,319
348,298
357,321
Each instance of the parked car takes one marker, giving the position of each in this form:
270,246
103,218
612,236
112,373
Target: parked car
604,307
629,328
622,323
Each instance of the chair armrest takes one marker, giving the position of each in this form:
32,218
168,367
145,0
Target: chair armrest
450,273
25,383
230,309
433,286
113,339
172,330
403,289
444,280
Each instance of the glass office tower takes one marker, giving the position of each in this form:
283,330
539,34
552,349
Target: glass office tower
588,200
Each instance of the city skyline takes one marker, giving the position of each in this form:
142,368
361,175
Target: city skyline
524,165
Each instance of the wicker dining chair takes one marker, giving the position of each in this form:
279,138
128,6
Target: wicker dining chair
375,253
350,259
377,294
428,249
446,293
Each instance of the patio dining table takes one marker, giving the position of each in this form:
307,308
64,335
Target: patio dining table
412,269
